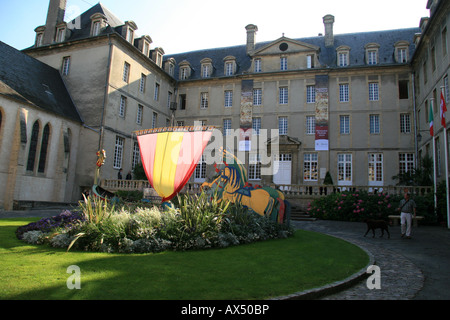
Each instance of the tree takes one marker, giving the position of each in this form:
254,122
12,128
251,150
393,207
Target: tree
422,176
139,172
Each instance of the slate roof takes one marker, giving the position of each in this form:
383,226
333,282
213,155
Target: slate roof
327,56
83,30
29,80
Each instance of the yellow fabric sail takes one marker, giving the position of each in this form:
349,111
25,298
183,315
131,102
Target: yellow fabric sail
169,156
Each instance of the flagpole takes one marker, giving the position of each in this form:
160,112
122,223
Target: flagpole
443,109
434,173
446,178
434,154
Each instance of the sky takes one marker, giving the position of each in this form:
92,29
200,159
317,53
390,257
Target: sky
188,25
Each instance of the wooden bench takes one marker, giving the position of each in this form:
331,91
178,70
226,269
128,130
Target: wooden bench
396,220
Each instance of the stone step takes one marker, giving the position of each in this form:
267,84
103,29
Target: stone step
299,215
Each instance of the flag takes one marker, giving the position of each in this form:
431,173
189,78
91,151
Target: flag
430,120
443,110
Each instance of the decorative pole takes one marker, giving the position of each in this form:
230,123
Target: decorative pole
101,156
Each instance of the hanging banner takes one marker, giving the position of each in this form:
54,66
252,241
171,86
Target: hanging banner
321,113
245,131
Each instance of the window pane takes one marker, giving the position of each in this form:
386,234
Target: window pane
374,124
343,93
44,148
345,167
283,125
118,153
310,165
344,124
310,94
373,91
257,97
283,99
310,125
405,123
33,147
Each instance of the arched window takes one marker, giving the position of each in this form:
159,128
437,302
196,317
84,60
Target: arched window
44,148
33,146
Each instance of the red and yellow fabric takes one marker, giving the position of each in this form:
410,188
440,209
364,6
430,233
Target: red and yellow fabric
169,156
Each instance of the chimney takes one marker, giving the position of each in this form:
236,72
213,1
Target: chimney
55,15
251,31
328,21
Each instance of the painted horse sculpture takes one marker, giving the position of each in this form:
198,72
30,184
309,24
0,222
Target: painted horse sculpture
232,185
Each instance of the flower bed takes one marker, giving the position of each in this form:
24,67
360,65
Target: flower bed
354,206
197,223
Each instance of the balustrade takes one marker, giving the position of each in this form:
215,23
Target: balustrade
290,190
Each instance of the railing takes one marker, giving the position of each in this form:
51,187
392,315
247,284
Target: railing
290,190
323,190
126,185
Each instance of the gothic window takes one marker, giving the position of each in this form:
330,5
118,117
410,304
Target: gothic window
44,148
33,147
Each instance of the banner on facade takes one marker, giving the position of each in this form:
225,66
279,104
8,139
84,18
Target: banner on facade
321,113
245,131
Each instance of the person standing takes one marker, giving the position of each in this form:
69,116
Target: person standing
119,175
407,208
128,176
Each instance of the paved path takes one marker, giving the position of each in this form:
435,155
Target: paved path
417,268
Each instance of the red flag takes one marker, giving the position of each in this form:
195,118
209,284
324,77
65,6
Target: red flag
431,120
443,110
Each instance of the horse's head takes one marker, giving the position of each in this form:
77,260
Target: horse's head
231,178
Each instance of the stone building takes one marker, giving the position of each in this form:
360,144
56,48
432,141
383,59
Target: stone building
358,86
115,79
430,66
351,104
39,132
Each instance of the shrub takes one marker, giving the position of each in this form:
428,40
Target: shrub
360,205
354,206
65,220
198,223
130,196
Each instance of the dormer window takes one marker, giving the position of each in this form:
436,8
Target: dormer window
39,36
206,68
143,44
130,35
170,66
257,63
401,51
310,61
157,56
61,32
372,53
146,49
206,71
230,65
185,70
128,31
39,39
283,63
159,59
343,56
96,28
98,22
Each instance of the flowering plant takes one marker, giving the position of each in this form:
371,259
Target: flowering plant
354,206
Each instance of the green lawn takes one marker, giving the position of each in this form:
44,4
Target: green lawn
255,271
